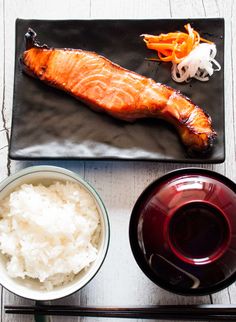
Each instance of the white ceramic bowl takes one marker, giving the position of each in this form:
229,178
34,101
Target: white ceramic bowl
29,288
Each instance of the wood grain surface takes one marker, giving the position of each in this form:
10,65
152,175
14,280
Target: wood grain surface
120,281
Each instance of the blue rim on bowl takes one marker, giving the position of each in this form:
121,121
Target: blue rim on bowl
47,174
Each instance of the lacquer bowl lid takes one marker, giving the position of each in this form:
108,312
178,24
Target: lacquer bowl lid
183,231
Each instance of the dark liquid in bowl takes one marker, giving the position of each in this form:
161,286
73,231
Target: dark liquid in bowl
198,230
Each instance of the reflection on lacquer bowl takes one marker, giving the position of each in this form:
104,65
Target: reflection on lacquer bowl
183,231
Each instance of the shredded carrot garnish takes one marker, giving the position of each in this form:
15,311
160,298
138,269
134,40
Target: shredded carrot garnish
174,46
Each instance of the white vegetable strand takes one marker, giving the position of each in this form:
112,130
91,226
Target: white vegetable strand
200,64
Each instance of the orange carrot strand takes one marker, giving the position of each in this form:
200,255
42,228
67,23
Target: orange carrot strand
174,46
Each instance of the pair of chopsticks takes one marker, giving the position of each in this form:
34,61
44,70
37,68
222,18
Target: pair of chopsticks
165,312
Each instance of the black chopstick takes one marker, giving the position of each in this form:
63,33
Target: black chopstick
165,312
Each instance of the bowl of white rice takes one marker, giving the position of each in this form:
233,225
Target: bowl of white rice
54,233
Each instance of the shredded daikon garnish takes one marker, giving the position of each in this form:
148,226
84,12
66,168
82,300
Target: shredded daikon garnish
200,63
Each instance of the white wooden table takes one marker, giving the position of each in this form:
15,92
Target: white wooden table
118,183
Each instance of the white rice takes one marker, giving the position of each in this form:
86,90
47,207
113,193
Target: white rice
49,233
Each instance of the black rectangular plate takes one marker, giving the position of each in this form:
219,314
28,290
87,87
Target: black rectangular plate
49,124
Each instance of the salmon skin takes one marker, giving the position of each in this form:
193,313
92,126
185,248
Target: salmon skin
107,87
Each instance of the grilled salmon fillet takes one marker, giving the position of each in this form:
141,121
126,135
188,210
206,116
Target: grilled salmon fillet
107,87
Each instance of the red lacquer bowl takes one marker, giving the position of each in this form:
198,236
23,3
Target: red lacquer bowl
183,231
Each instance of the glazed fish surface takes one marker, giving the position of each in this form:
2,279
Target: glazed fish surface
107,87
